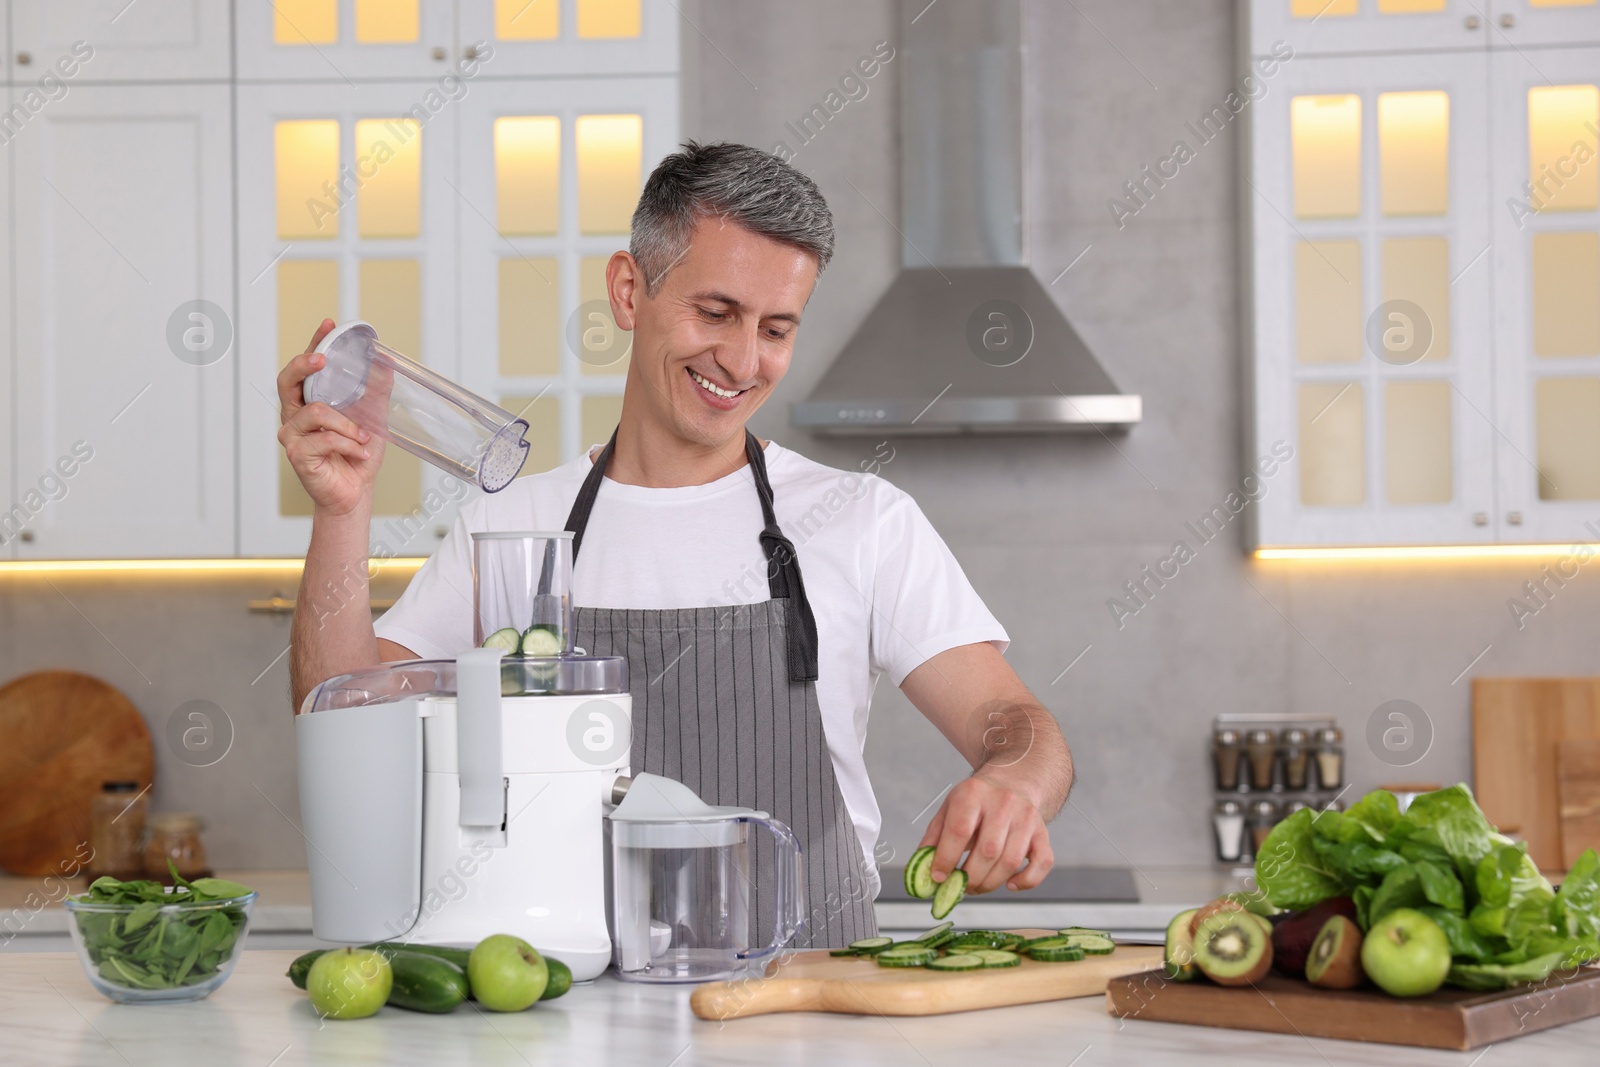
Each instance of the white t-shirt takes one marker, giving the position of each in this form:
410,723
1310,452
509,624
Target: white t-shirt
886,592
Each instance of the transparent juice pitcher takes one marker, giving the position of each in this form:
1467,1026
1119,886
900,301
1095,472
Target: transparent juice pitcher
428,415
683,885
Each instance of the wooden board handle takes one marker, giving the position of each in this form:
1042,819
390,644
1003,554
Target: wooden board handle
755,996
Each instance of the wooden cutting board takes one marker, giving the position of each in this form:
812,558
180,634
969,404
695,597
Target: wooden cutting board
1578,766
1450,1018
65,735
815,981
1518,725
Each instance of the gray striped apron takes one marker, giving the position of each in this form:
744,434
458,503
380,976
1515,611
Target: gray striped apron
725,701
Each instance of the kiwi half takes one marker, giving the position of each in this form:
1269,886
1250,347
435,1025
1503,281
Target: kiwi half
1179,957
1334,961
1231,948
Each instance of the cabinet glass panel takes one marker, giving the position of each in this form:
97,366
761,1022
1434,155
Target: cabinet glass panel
387,21
1327,296
308,292
530,327
1566,294
1326,135
1561,147
608,18
1417,450
389,166
543,414
1312,9
609,355
610,154
391,299
1414,152
1409,7
600,416
1417,270
1568,415
527,174
1333,456
307,165
305,21
527,20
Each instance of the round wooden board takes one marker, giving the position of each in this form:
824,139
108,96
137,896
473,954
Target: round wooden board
66,734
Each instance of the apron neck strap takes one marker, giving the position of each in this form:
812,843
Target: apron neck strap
783,565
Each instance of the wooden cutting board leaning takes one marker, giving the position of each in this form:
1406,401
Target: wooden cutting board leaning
815,981
67,734
1518,725
1578,764
1449,1019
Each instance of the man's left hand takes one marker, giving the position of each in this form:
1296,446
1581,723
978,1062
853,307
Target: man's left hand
1000,831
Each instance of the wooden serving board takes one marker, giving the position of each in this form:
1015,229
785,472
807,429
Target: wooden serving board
1518,725
816,981
1579,786
1448,1019
66,734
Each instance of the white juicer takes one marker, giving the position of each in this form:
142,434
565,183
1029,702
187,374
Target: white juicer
446,800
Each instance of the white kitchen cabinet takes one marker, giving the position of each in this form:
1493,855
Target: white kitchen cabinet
1371,300
346,41
1519,23
146,40
348,210
1321,27
555,38
123,216
1546,211
550,173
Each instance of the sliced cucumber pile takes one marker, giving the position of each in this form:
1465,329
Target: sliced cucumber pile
944,948
537,640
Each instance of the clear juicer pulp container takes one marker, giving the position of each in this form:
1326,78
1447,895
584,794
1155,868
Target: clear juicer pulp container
428,415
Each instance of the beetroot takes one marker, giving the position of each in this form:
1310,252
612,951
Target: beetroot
1292,938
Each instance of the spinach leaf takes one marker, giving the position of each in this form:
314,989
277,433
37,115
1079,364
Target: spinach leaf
1490,976
163,940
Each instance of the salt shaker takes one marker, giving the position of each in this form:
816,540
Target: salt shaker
1229,822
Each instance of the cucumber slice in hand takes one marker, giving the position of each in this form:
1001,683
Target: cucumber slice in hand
506,639
949,894
919,873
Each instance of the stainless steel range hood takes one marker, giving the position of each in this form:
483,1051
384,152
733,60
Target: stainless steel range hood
966,340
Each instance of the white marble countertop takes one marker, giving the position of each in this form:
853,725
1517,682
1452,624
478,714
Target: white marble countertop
31,906
50,1014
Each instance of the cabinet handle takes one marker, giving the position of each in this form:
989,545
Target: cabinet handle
470,52
1472,22
279,605
1514,518
1480,518
1507,20
24,58
439,54
26,537
440,532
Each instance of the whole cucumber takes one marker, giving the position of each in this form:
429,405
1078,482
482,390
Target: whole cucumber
560,978
457,956
302,966
425,982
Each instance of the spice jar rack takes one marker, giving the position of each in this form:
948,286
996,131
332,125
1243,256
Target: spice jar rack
1266,767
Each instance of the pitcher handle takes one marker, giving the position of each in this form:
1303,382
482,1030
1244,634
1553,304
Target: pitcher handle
789,907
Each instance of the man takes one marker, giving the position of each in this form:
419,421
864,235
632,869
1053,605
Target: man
674,518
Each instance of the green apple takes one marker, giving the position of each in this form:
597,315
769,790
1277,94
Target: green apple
349,983
1406,953
506,974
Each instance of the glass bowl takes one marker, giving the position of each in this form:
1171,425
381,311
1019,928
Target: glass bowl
144,953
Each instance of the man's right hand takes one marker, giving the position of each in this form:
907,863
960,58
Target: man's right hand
336,460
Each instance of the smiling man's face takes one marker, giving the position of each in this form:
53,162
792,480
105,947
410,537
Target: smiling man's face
715,339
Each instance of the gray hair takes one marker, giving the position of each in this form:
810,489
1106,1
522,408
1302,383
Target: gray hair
744,185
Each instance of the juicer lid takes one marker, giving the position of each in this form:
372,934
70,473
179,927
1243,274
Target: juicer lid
343,378
654,799
533,676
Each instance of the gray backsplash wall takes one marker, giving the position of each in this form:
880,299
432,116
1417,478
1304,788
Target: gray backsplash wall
1047,528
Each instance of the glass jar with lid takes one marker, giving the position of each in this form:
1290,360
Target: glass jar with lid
175,836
